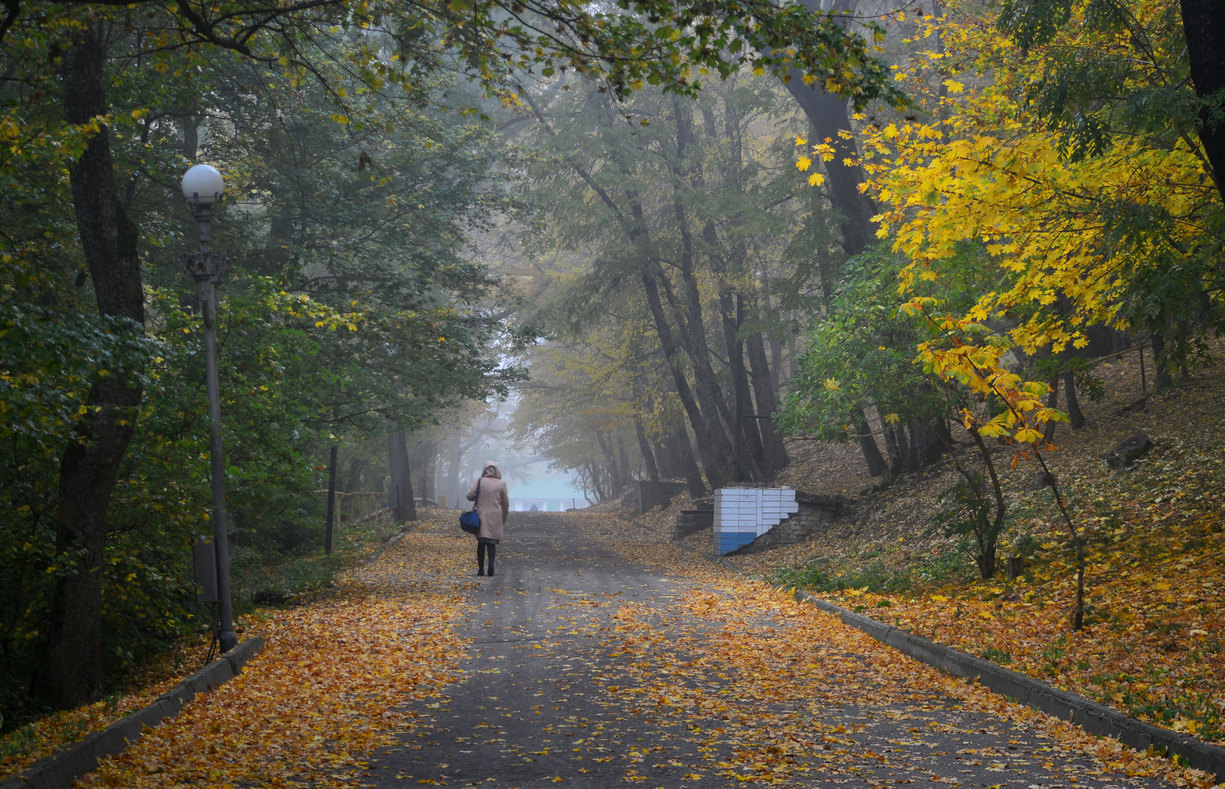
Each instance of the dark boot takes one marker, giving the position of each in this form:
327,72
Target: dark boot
493,551
480,559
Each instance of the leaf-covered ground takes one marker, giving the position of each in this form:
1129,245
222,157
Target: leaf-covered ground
712,679
328,687
1154,638
1152,645
40,738
737,683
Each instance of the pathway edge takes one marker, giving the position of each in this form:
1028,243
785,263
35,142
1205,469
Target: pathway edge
1091,716
63,767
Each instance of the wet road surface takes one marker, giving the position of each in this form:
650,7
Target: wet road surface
589,668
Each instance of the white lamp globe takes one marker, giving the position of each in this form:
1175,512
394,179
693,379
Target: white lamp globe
203,185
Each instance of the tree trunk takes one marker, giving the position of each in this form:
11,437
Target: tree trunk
1203,23
627,470
616,462
400,492
779,371
648,454
353,483
1161,361
330,521
680,462
713,404
714,453
895,446
827,113
871,453
721,423
353,480
1052,401
1076,417
829,119
455,453
90,464
429,452
749,450
925,446
767,403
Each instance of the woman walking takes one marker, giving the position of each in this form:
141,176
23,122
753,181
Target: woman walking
492,504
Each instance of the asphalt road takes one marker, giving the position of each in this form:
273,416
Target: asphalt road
588,669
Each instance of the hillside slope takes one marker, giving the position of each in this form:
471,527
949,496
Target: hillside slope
1153,640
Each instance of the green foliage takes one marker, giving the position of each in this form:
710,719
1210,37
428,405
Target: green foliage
665,44
1083,377
348,301
1079,93
860,352
290,575
46,364
997,655
870,572
875,576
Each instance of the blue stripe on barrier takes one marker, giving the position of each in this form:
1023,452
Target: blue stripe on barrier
732,540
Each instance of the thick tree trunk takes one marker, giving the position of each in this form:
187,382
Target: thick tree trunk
1203,24
925,446
1161,361
895,444
871,452
400,491
90,464
1076,417
713,451
429,454
648,454
455,454
767,403
748,448
829,118
677,461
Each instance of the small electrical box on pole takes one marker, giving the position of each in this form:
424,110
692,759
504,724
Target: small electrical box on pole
206,570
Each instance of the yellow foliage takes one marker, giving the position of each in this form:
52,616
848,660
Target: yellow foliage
981,167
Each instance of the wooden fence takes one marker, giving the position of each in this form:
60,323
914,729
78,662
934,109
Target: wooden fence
356,506
361,505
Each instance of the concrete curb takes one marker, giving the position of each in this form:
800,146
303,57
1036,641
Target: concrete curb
1091,716
62,768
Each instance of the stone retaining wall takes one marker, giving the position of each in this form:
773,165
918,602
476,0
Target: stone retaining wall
816,513
692,522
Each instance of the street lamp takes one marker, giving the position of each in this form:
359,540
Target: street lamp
203,187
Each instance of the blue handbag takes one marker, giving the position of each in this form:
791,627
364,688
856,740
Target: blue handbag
469,521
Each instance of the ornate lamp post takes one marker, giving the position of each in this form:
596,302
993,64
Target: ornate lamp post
202,187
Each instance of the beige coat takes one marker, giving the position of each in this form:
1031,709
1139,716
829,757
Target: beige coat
494,503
